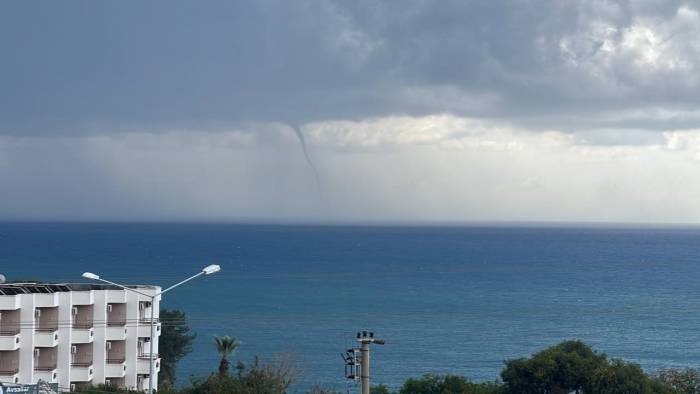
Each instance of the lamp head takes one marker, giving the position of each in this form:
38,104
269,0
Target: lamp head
90,275
211,269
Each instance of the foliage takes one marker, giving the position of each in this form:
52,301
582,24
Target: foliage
175,342
255,378
684,381
570,367
447,384
573,367
380,389
101,389
316,389
561,369
225,346
620,377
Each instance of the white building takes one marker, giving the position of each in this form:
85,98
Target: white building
77,334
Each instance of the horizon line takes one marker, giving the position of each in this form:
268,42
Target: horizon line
362,223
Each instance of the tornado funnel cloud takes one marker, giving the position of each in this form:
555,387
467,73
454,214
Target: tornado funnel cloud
302,142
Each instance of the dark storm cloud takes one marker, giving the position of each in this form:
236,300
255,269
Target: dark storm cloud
82,66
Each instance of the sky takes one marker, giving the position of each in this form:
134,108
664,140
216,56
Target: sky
415,111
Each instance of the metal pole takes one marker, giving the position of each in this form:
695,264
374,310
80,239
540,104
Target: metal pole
206,271
184,281
150,356
364,375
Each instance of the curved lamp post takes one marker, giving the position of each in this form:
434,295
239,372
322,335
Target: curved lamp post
208,270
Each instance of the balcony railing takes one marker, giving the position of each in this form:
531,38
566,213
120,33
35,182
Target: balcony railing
116,360
45,368
83,325
9,372
47,329
85,364
147,320
147,356
116,323
8,332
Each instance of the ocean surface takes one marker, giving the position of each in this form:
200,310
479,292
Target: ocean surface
446,299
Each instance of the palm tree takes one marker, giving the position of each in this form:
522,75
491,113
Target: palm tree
225,345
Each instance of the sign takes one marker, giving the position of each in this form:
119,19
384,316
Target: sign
39,388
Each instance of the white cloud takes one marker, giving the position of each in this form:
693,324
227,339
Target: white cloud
344,39
613,50
439,167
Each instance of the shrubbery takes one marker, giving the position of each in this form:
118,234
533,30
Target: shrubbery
569,367
448,384
573,367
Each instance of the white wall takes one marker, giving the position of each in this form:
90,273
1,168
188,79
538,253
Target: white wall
26,349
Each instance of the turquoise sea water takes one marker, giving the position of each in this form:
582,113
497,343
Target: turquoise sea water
446,299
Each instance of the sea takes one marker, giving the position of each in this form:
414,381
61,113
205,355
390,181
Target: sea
456,299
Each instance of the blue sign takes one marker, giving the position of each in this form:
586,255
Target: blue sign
39,388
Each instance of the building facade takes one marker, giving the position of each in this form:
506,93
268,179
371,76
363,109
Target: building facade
77,335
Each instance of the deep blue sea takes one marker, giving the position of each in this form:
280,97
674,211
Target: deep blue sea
446,299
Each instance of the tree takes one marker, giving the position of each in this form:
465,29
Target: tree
561,369
447,384
380,389
225,346
573,367
620,377
255,378
175,342
684,381
317,389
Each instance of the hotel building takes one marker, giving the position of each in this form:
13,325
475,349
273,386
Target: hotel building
77,335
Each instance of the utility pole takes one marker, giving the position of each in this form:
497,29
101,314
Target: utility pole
352,364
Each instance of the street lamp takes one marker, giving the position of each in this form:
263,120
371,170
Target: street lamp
208,270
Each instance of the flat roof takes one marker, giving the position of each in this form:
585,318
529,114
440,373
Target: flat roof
47,288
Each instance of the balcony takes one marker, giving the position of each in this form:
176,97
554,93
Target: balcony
83,322
46,300
144,328
115,368
116,333
83,298
115,382
46,338
9,302
116,314
9,375
9,329
143,365
142,382
81,372
47,374
116,296
9,370
46,321
9,340
82,335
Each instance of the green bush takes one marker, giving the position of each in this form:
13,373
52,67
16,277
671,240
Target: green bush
447,384
620,377
573,367
255,378
684,381
565,368
380,389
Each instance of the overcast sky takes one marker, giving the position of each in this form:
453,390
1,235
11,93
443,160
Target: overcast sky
410,110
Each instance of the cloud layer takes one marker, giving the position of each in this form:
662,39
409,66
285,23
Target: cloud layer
85,66
412,110
433,168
